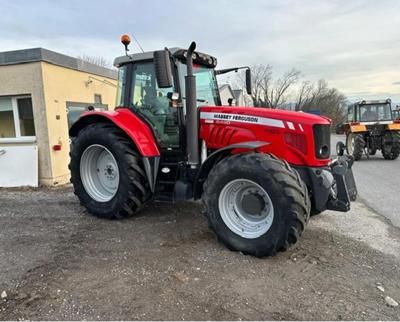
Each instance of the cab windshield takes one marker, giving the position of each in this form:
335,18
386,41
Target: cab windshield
206,84
375,112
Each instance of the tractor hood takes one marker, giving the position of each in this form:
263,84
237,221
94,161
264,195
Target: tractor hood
300,138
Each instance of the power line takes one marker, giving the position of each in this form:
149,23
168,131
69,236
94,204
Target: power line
137,41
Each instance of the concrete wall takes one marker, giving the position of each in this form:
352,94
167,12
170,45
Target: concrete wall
60,85
27,79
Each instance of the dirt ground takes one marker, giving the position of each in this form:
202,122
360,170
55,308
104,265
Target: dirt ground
57,262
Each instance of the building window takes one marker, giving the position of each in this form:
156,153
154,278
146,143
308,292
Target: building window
16,118
97,99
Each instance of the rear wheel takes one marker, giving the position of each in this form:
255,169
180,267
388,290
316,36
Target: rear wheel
256,204
391,145
355,145
107,172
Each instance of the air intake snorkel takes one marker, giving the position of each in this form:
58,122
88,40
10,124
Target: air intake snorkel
192,122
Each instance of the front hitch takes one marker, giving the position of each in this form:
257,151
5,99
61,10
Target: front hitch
344,189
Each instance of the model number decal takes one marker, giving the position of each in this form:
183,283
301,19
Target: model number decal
242,118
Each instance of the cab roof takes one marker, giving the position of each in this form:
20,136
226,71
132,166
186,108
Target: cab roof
180,53
371,102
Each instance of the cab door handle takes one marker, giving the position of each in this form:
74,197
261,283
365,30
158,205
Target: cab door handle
2,152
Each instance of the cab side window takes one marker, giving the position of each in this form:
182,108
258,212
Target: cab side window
152,103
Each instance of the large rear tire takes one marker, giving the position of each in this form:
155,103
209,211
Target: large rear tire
256,204
107,173
355,145
391,145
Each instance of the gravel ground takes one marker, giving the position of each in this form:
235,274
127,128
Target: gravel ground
57,262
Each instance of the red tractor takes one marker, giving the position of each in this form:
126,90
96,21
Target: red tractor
259,172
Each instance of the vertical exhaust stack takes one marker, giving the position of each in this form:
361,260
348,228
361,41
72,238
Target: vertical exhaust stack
192,122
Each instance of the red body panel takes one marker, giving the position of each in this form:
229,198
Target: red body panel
221,126
224,125
134,127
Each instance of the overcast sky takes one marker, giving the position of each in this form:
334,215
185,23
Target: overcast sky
354,45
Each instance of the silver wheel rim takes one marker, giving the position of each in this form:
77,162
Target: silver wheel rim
246,208
99,173
350,144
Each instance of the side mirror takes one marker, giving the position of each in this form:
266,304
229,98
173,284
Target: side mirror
248,81
163,68
231,101
173,99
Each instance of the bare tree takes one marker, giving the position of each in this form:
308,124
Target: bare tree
96,60
304,94
268,92
329,101
282,85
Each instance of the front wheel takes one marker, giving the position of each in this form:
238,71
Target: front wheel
355,145
340,147
256,204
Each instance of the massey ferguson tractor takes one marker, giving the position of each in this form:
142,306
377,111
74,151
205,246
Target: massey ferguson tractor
259,172
371,126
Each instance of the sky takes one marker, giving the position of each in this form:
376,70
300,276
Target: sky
354,45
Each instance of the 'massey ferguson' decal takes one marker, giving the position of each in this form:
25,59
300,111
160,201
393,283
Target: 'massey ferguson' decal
241,118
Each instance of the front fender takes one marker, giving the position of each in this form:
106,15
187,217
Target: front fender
128,122
216,156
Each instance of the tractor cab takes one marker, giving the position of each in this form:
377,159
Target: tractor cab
370,112
164,105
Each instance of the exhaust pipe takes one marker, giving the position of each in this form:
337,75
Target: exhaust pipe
192,122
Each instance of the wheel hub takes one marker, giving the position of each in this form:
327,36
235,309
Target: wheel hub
99,173
109,172
252,203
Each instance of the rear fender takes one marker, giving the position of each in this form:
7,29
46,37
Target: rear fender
358,128
134,127
216,156
393,127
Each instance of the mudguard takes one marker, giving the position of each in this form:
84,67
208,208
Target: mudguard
215,157
128,122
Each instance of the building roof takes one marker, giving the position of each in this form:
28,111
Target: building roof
41,54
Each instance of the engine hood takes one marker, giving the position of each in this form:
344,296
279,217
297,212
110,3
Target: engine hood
296,137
